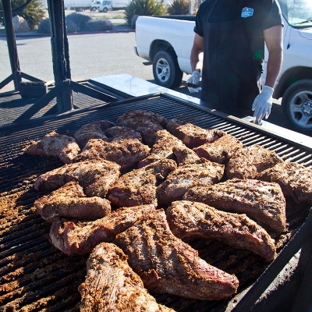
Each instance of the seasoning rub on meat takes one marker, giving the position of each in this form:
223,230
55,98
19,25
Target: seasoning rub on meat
74,237
168,265
261,201
189,220
57,145
69,201
111,285
95,176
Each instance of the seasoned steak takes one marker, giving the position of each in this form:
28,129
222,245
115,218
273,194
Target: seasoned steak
168,265
120,132
95,176
261,201
192,135
164,142
93,130
189,220
185,155
69,201
111,285
187,176
220,150
57,145
294,179
249,161
138,187
125,152
145,122
76,237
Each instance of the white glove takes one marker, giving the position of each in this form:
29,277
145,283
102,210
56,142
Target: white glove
193,82
262,104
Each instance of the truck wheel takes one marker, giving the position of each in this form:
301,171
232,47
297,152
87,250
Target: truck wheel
105,10
297,105
166,70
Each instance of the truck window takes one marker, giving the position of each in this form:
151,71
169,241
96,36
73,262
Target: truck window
298,13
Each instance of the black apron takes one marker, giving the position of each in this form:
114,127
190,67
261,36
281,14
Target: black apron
230,78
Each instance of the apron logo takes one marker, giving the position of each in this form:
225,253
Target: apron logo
247,12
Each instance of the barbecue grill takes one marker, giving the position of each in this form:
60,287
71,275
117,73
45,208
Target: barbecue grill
35,276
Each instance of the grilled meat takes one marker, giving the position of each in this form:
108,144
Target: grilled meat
164,142
168,265
138,187
95,176
187,176
192,135
189,220
185,155
120,132
93,130
111,285
219,150
261,201
125,152
249,161
69,201
76,237
294,179
56,145
145,122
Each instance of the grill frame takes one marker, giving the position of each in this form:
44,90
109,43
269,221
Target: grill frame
15,238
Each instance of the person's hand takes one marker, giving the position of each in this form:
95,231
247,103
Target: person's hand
262,104
193,81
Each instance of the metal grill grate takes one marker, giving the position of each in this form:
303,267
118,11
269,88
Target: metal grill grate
34,275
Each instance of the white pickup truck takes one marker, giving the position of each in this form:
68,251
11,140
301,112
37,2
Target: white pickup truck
166,43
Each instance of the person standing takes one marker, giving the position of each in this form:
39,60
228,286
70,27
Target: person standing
232,33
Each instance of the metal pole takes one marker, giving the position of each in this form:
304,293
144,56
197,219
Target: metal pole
11,40
60,55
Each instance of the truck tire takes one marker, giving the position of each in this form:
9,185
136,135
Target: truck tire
104,10
166,70
297,105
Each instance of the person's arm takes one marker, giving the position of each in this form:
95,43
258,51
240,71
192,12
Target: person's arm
197,49
196,63
263,102
273,39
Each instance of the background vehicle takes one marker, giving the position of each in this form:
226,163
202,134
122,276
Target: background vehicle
109,5
95,5
166,42
77,5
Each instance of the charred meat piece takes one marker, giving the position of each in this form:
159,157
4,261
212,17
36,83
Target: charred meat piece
188,176
78,237
138,187
294,179
192,135
162,147
145,122
93,130
95,176
168,265
111,285
57,145
125,152
69,201
120,132
220,150
261,201
189,220
249,161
